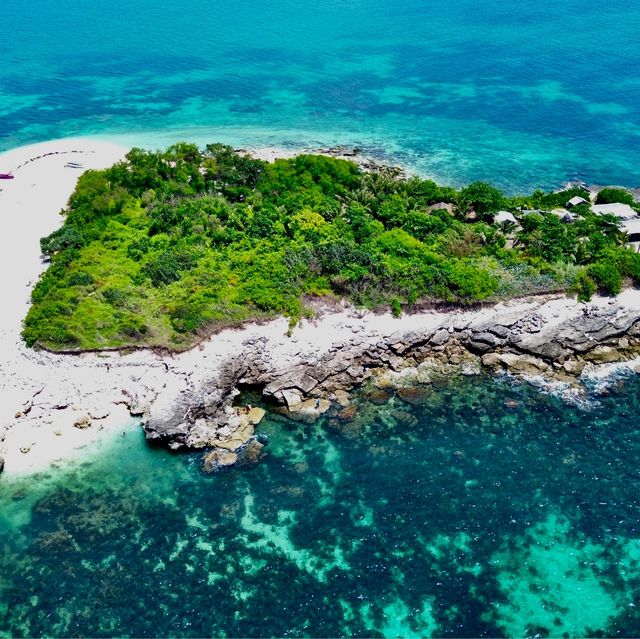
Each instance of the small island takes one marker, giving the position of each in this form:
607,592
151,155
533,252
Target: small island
164,248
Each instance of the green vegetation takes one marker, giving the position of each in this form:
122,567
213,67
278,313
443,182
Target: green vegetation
166,246
609,196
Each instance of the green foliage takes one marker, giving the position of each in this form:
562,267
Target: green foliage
609,196
471,282
607,276
482,197
167,267
584,286
559,199
64,238
167,245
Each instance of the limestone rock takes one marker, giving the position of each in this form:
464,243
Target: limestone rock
573,367
440,337
603,355
523,364
292,397
310,410
101,412
348,413
218,459
251,453
379,396
414,395
82,422
342,397
255,415
491,360
404,418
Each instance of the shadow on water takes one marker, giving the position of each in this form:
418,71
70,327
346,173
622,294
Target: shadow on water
478,508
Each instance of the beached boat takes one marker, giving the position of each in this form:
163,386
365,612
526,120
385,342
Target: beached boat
6,176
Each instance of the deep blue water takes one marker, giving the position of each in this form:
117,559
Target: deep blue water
524,94
482,508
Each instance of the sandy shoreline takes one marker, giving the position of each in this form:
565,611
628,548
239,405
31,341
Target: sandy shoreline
45,397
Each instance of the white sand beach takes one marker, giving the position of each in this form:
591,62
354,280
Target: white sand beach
53,406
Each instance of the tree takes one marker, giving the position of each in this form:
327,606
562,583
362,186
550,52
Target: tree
483,198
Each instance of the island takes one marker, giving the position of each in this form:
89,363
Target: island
181,278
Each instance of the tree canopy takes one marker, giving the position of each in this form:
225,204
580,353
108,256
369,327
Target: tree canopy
165,246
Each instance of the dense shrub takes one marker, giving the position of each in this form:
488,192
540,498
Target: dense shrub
164,245
609,196
607,276
584,286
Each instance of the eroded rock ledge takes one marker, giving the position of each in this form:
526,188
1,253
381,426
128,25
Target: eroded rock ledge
313,374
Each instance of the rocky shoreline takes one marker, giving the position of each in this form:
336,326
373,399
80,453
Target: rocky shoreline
553,338
189,400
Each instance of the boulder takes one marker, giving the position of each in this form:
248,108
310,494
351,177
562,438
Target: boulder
218,459
603,355
255,415
379,396
523,364
348,413
440,337
310,410
251,453
491,360
414,395
82,422
138,409
292,397
342,397
404,418
499,331
573,367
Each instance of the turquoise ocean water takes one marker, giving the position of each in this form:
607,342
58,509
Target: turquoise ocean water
483,508
524,94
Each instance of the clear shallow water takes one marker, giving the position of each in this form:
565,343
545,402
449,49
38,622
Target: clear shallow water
484,510
523,94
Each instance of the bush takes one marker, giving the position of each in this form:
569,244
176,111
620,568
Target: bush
469,282
607,276
629,262
168,266
80,278
584,286
610,196
64,238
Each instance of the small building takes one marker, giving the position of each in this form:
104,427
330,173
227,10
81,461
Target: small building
504,216
621,211
526,212
632,229
563,214
575,201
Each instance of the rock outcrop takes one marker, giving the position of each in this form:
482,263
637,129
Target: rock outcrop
190,400
553,338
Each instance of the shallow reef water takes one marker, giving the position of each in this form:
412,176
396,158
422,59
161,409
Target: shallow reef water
523,94
479,507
